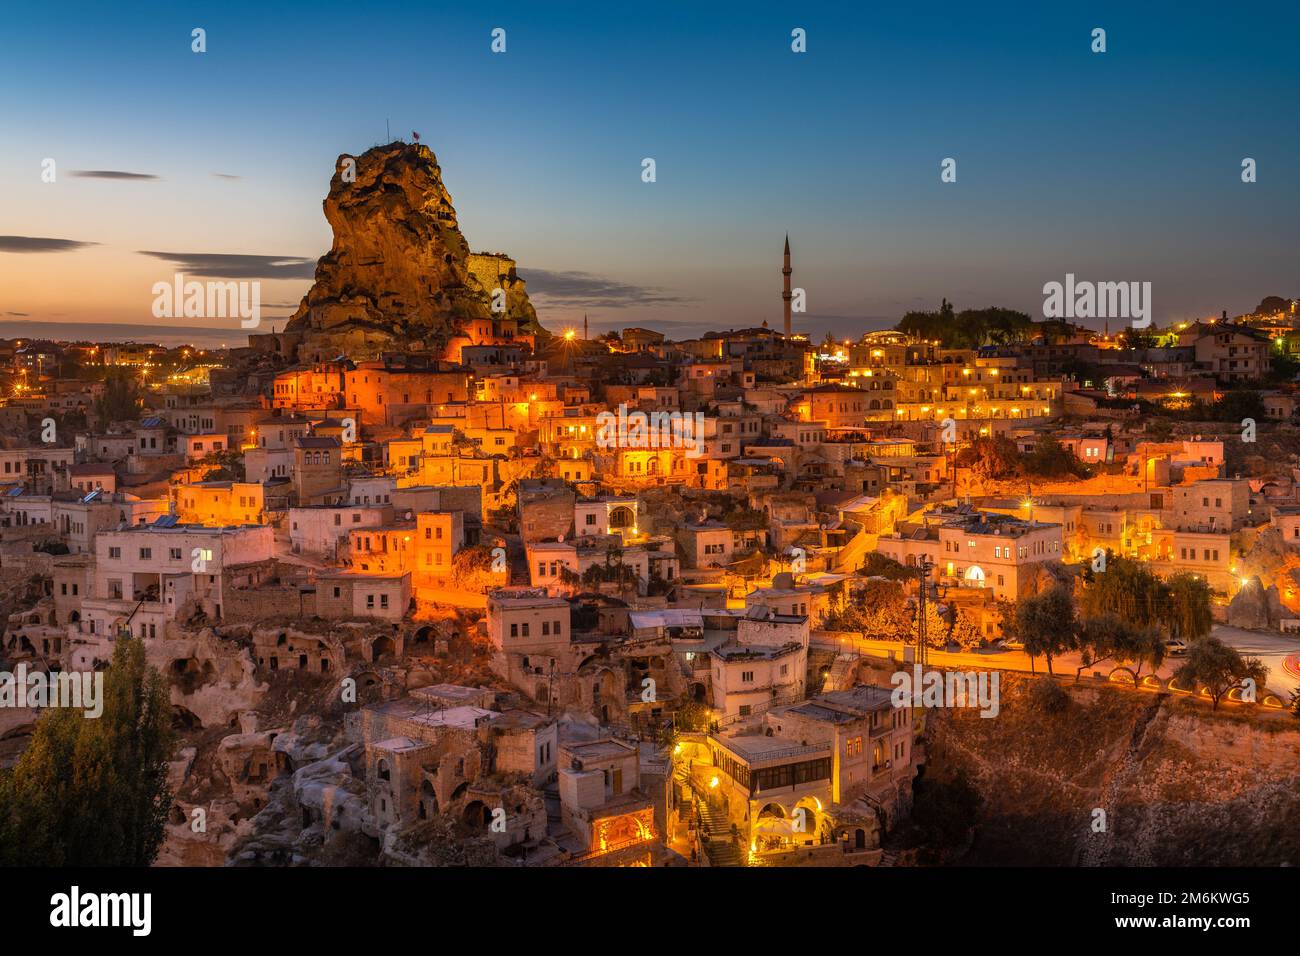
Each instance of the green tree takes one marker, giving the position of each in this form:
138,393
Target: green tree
1051,459
877,565
1218,668
1128,589
1110,637
992,458
1234,407
1046,624
92,791
122,399
1188,615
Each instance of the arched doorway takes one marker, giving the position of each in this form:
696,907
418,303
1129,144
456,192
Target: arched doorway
476,815
621,517
428,801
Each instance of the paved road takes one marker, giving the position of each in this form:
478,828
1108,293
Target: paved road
1271,648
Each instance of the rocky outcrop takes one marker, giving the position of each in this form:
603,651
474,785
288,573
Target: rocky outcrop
1256,607
400,275
1179,785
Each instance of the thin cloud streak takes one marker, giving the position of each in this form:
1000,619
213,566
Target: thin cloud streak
230,266
585,290
113,174
38,244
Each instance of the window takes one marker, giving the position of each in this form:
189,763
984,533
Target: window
115,553
747,676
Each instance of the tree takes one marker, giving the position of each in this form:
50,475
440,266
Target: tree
1110,637
1234,407
1128,589
1159,429
1051,459
1188,615
1218,668
122,399
93,791
1046,624
992,458
877,565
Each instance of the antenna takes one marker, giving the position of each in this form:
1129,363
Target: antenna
387,131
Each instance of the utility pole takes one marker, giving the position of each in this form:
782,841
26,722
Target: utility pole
923,569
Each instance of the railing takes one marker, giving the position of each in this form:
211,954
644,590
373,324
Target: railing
759,709
611,848
788,752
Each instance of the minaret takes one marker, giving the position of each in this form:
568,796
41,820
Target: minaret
584,326
785,296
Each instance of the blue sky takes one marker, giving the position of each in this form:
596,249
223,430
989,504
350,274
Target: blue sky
1115,166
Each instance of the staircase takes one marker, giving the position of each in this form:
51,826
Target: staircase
720,845
842,672
888,858
721,848
518,563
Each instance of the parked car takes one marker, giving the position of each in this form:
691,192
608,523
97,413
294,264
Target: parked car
1175,648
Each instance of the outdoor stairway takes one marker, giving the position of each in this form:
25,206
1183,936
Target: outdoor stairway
721,847
887,858
842,672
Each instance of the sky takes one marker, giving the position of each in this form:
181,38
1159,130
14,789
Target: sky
1115,166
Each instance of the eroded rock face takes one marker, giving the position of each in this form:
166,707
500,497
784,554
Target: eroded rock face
400,273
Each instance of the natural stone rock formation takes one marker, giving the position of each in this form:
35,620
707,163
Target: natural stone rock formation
212,680
399,276
1181,785
1255,606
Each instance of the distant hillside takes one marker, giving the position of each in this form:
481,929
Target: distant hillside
169,334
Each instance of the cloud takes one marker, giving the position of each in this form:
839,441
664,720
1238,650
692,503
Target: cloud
219,265
35,244
584,290
18,313
227,176
112,174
